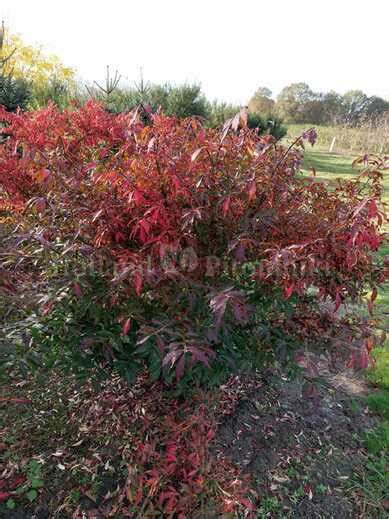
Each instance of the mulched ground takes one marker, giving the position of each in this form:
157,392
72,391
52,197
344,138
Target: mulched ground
289,446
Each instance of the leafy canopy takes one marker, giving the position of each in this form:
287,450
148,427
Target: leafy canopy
32,63
212,241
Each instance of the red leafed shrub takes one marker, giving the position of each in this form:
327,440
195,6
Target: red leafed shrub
185,244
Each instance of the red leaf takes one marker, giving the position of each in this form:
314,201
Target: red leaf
171,358
138,283
42,176
338,300
77,290
180,367
310,391
218,306
171,450
16,482
289,290
4,496
252,189
15,400
360,206
40,204
127,326
202,356
136,196
363,360
351,361
226,205
240,310
373,211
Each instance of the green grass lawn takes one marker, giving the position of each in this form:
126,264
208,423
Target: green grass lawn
330,166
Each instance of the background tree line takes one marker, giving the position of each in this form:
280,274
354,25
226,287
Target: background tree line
298,103
29,79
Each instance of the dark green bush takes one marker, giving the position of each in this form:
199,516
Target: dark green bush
14,93
219,112
183,101
180,101
265,126
83,330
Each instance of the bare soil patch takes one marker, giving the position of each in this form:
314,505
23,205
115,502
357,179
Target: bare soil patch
301,447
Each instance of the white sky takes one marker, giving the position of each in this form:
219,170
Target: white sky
230,47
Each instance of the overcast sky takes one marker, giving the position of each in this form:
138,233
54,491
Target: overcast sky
230,47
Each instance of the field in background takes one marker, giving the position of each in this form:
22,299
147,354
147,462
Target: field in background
353,140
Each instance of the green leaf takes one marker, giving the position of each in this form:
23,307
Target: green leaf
155,372
20,490
31,495
33,466
36,483
11,504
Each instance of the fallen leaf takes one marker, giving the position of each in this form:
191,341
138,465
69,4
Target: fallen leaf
14,400
280,479
57,454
